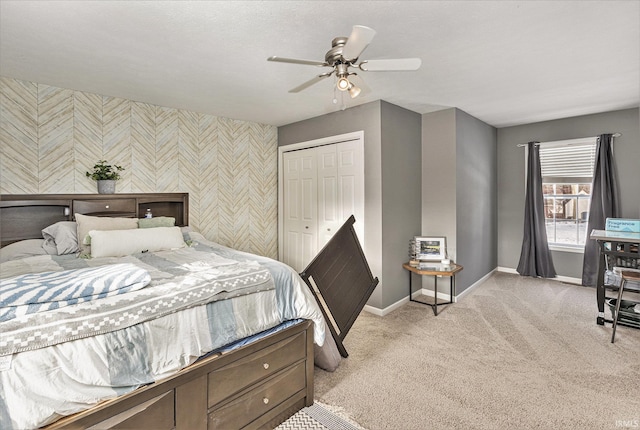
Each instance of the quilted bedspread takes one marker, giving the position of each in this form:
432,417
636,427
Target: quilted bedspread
180,279
65,360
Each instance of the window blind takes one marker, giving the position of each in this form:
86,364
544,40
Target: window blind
568,162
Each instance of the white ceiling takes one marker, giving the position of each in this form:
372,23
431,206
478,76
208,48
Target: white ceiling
504,62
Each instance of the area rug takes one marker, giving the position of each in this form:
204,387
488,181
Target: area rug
320,417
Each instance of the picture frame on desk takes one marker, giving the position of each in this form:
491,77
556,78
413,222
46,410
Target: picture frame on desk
430,248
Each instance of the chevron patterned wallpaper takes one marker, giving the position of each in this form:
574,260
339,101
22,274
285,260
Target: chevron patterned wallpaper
51,136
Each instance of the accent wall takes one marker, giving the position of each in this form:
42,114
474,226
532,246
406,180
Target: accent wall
51,136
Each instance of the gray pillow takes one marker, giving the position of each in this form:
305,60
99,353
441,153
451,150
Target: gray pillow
22,249
159,221
62,236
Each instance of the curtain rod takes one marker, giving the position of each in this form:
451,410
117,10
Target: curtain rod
592,137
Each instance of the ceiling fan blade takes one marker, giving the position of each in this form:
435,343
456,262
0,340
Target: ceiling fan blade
310,82
296,61
390,65
357,42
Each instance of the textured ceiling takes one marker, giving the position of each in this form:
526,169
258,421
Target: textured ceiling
504,62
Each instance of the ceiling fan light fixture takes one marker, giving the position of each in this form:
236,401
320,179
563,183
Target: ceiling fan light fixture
354,91
343,84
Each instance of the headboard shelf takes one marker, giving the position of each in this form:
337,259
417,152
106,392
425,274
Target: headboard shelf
23,216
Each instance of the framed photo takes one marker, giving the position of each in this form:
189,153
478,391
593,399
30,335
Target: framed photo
430,248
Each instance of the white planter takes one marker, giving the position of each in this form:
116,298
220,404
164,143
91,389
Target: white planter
106,186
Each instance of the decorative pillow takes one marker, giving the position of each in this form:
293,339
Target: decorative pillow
61,237
161,221
118,243
49,247
87,223
22,249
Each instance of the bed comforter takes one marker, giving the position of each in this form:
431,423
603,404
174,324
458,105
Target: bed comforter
200,298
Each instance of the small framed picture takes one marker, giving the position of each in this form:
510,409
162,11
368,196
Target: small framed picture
430,248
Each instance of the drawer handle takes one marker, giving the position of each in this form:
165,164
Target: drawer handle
265,401
106,207
265,365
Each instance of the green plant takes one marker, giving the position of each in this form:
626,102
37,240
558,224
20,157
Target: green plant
103,171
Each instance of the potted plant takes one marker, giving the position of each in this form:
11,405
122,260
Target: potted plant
106,175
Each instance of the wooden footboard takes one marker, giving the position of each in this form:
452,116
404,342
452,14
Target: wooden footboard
256,386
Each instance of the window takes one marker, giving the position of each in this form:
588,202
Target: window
567,172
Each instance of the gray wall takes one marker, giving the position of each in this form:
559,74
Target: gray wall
476,199
401,149
392,192
439,175
511,166
459,181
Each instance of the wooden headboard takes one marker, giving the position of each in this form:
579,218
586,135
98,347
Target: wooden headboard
23,216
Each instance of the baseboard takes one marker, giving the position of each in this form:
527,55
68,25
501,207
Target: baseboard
565,279
457,297
430,293
382,312
507,270
446,297
474,285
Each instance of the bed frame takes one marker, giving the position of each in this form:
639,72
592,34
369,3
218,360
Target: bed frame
23,216
258,385
341,281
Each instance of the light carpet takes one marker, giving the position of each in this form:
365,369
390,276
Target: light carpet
514,353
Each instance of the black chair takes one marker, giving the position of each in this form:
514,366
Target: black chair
627,275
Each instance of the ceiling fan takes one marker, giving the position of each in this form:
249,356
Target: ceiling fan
345,54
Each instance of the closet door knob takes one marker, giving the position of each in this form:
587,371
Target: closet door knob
265,365
265,401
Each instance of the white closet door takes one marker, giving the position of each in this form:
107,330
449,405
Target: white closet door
300,208
350,159
322,187
329,212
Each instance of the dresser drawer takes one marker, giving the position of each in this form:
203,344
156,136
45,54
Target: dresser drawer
234,377
243,410
156,414
106,206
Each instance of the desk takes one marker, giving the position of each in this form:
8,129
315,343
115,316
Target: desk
617,249
435,269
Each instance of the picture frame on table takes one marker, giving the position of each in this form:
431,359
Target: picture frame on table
429,248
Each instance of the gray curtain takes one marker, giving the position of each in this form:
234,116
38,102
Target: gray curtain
535,257
605,203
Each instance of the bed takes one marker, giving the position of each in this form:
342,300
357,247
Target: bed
159,328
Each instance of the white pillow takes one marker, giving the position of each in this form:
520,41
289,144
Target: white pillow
118,243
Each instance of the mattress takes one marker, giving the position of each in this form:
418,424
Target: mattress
199,299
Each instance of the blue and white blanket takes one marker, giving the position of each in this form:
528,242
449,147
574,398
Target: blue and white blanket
36,292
